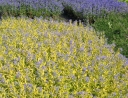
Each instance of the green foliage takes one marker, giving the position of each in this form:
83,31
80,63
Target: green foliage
28,11
123,1
115,27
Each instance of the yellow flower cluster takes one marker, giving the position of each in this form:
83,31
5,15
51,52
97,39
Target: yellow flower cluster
50,59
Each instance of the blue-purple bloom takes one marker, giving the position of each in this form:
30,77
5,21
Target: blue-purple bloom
2,80
81,93
84,69
126,63
96,7
39,89
18,74
84,7
28,87
87,79
39,63
50,5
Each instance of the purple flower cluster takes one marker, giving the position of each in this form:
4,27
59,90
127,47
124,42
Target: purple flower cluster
50,5
85,7
96,7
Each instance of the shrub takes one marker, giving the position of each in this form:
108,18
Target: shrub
97,8
115,27
40,58
32,7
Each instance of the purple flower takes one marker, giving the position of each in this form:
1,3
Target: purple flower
101,79
39,63
50,5
81,48
126,63
2,80
87,79
18,74
57,88
39,89
44,67
83,7
28,87
89,42
101,58
16,60
84,69
81,93
96,7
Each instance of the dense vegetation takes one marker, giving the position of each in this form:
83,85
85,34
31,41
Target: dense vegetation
43,58
124,1
94,12
116,30
40,58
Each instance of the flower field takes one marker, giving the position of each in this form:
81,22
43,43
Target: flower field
43,56
80,8
50,59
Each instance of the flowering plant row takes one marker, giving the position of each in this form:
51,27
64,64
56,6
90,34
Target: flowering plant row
48,59
56,7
